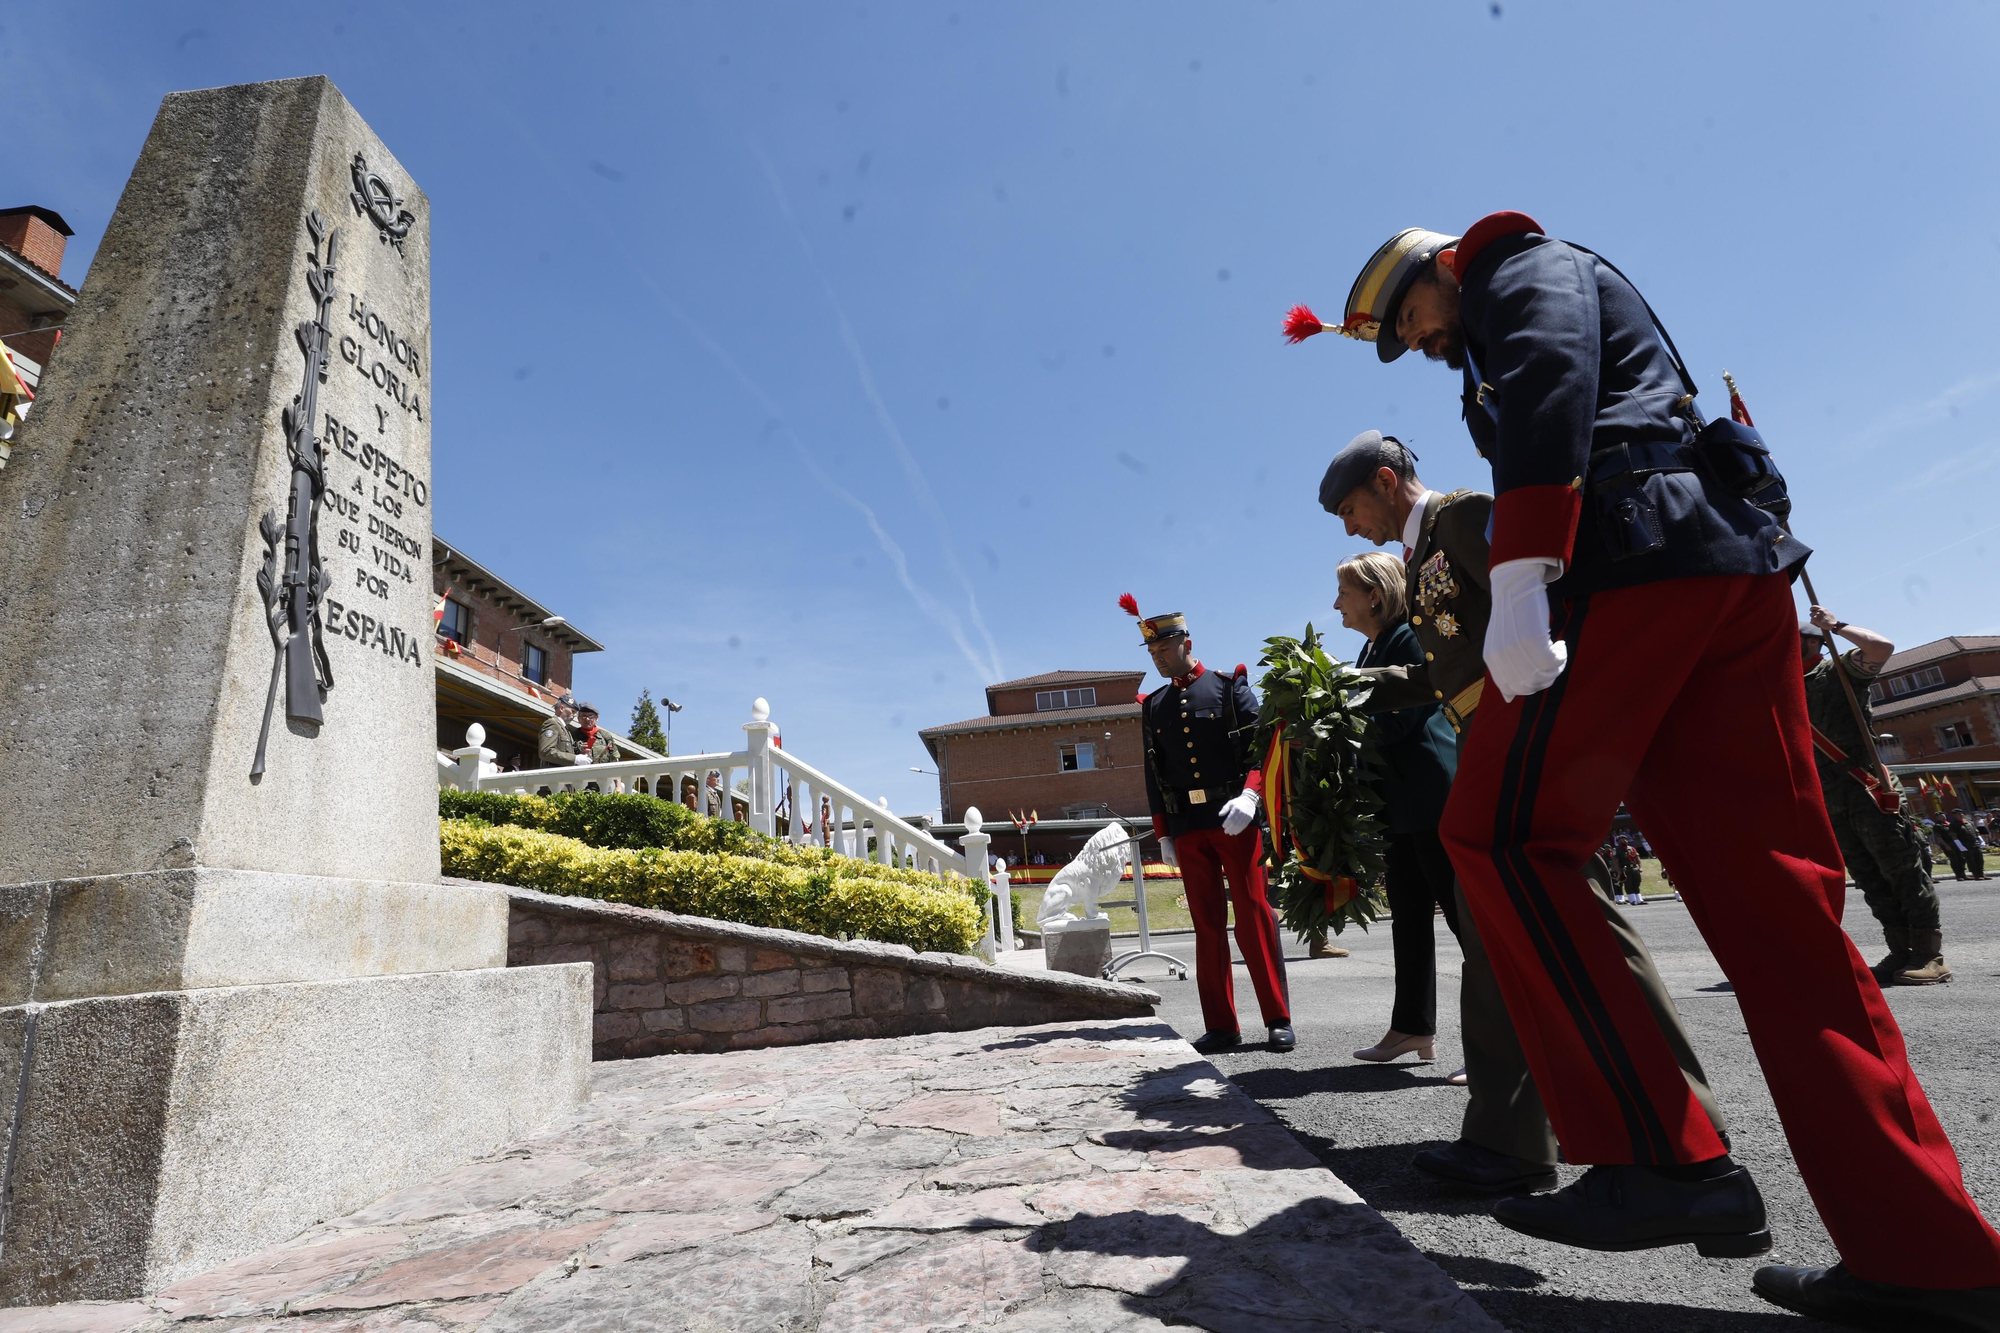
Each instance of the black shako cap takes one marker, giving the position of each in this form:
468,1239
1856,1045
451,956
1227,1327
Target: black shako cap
1356,463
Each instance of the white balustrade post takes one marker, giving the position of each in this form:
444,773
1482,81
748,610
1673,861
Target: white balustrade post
475,761
1003,908
760,729
975,844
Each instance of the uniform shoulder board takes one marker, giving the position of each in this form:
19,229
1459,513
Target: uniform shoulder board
1242,672
1144,696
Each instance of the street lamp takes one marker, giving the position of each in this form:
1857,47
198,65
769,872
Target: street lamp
915,769
549,623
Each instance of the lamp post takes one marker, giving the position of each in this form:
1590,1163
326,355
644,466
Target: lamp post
549,623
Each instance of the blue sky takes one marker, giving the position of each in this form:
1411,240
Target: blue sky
859,355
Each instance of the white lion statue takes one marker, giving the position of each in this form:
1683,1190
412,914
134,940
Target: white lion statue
1089,877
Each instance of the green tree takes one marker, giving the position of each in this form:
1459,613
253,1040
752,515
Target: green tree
646,724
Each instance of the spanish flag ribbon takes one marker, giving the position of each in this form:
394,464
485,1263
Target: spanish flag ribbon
1278,790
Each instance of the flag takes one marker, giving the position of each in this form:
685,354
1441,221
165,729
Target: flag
14,392
1738,413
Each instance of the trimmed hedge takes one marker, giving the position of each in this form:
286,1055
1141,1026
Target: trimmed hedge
640,850
724,887
635,821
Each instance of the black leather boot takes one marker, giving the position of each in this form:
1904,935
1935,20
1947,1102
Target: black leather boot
1208,1043
1638,1208
1483,1170
1838,1297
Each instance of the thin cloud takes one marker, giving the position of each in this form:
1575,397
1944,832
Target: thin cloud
989,667
920,484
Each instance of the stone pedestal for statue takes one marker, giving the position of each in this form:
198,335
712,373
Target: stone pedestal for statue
234,997
1082,947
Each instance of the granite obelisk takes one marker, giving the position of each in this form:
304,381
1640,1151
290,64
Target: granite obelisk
237,997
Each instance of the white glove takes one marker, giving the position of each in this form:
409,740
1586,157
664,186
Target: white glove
582,759
1167,853
1518,651
1237,814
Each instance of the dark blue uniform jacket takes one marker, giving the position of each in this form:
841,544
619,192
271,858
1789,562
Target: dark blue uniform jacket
1564,364
1417,749
1191,749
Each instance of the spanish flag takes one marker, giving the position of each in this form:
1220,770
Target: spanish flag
13,391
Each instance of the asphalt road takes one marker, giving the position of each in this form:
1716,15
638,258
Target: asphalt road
1364,1121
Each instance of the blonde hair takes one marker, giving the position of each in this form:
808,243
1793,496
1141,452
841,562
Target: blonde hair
1380,574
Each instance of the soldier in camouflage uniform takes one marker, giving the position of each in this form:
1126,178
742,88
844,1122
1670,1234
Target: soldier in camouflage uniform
1884,851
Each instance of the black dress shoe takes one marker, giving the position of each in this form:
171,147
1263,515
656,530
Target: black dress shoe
1282,1037
1483,1170
1208,1043
1637,1208
1838,1297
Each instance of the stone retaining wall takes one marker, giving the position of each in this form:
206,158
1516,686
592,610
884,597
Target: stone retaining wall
682,983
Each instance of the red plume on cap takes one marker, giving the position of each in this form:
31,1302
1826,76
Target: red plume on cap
1128,603
1301,323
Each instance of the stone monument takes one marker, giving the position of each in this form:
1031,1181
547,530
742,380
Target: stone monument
237,999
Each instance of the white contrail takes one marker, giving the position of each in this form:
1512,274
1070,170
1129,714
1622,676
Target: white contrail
929,605
915,474
989,667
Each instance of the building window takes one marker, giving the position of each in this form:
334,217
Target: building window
457,622
1077,758
1083,698
1917,680
534,663
1956,736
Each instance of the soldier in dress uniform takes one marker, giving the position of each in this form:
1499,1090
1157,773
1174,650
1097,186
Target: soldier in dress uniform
1505,1143
1883,849
1204,788
1642,647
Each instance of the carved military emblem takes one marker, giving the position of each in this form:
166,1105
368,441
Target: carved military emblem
374,200
1435,584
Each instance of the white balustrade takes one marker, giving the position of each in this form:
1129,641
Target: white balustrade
775,777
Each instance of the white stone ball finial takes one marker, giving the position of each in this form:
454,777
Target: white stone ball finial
760,711
475,735
973,819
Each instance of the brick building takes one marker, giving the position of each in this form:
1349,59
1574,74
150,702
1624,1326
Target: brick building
34,300
1941,702
502,661
1064,744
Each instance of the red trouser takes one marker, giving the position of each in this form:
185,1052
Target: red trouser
1685,698
1206,856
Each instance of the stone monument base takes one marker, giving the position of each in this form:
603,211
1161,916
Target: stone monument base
1082,947
153,1136
156,930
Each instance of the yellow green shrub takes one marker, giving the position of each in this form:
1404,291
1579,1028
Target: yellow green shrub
920,911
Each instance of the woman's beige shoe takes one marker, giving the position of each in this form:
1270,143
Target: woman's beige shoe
1397,1043
1456,1077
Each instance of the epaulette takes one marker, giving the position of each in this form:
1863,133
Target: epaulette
1242,672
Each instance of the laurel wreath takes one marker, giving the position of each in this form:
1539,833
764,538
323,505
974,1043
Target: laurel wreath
1326,853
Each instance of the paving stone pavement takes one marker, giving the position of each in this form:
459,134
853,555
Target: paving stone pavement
1066,1178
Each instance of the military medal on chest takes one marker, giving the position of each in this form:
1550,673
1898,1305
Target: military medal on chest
1436,585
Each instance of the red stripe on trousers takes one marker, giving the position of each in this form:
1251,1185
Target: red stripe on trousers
1206,857
1685,699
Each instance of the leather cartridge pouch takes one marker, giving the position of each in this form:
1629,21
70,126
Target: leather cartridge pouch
1736,458
1627,517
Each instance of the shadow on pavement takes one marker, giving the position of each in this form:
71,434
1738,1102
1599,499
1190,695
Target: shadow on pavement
1282,1084
1545,1312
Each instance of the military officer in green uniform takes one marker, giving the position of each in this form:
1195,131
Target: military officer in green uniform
557,748
1506,1143
1882,847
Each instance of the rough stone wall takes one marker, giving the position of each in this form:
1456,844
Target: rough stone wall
677,983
